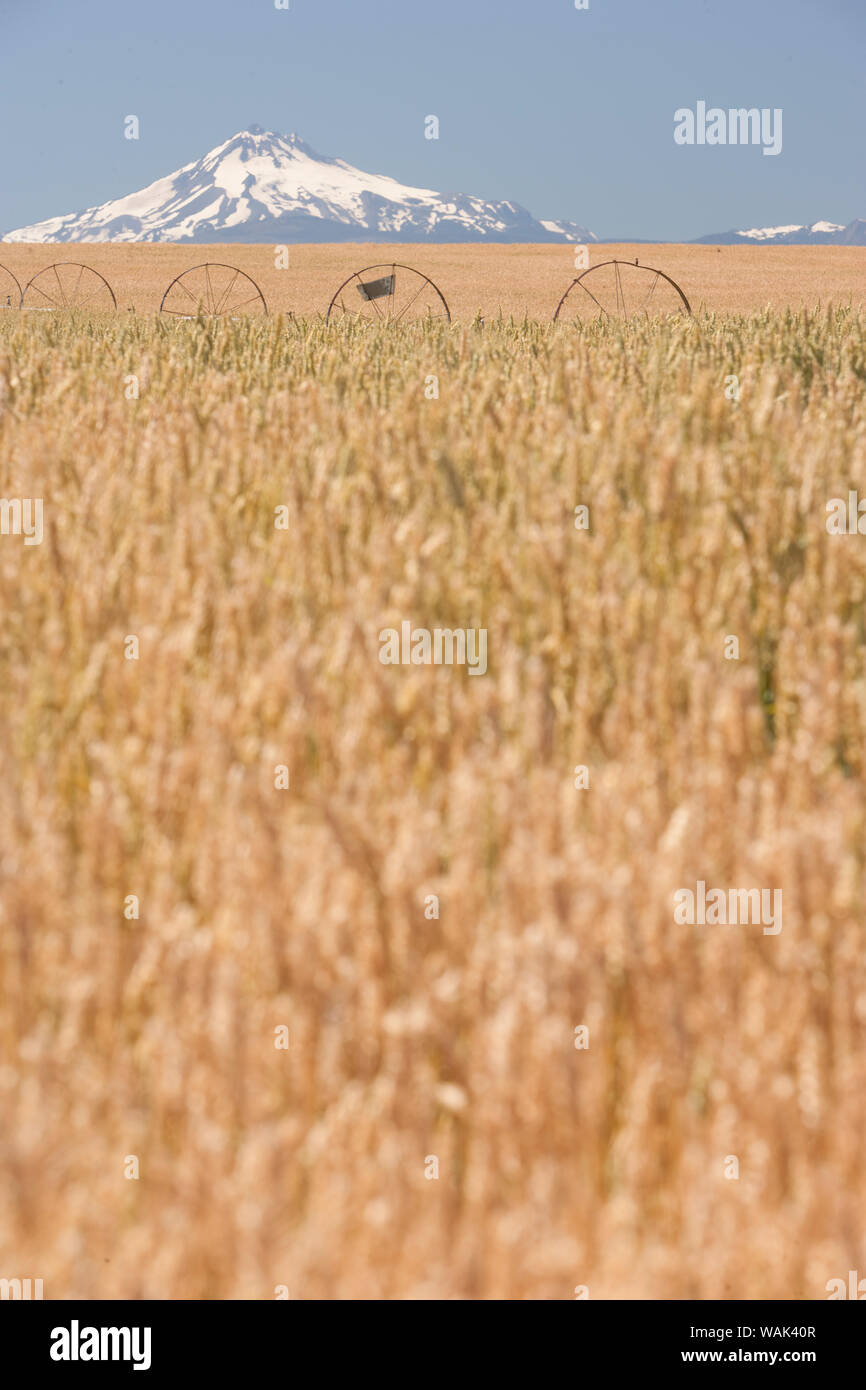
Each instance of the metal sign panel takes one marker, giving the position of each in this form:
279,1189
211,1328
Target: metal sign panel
377,289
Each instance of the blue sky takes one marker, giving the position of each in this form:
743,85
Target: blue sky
570,113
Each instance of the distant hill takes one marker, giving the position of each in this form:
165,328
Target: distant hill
816,234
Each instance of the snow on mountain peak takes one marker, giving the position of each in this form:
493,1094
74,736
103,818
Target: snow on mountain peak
767,233
764,233
260,186
795,234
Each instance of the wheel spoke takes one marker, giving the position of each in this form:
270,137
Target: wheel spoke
593,298
411,301
178,284
90,296
45,295
60,284
209,290
620,297
77,285
226,292
252,299
652,289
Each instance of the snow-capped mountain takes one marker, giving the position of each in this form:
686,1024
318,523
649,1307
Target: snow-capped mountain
816,234
260,186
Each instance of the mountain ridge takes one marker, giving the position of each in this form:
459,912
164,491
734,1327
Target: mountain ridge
803,234
262,186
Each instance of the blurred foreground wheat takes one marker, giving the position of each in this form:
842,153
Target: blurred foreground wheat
413,1037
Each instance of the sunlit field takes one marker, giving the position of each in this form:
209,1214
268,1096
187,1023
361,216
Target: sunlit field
513,280
507,1071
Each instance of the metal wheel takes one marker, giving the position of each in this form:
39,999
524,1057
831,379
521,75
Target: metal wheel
10,290
620,290
68,285
389,294
213,289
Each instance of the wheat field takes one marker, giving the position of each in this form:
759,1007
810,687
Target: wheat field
512,280
431,1129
